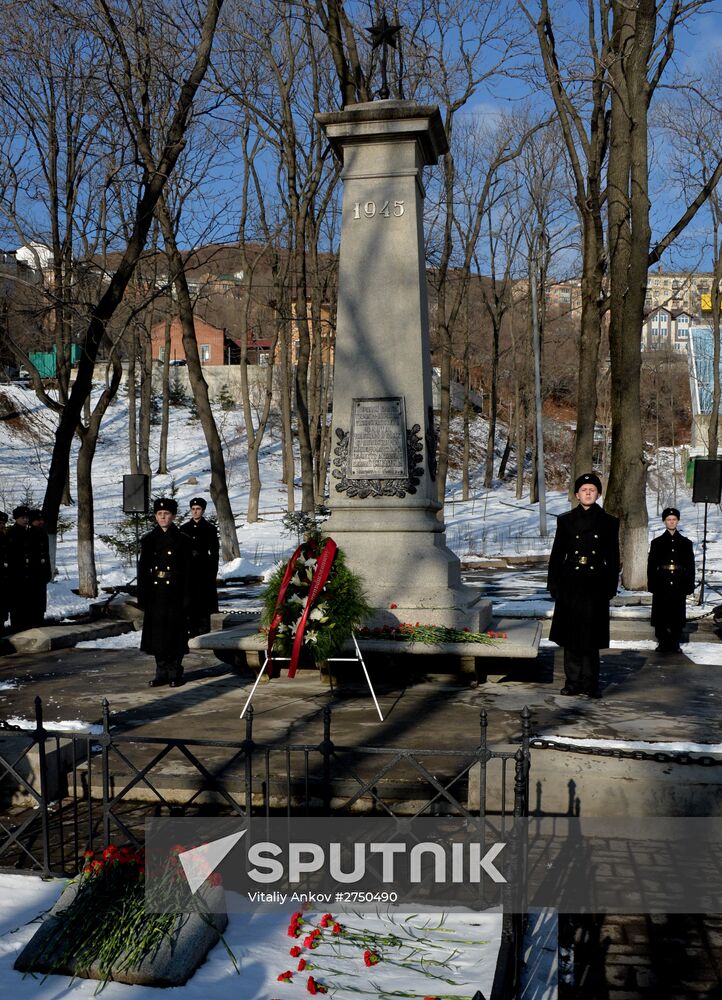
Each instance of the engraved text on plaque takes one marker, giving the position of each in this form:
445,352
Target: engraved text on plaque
377,449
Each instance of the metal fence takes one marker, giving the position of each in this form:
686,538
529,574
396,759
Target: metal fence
64,792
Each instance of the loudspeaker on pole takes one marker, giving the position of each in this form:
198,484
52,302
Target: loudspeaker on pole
707,485
136,492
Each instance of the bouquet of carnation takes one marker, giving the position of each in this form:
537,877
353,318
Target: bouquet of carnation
313,602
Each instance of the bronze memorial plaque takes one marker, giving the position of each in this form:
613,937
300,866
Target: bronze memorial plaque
377,449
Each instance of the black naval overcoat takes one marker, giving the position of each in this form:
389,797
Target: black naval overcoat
4,579
583,576
670,578
164,571
204,570
29,572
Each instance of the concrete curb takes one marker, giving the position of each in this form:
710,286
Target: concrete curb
47,637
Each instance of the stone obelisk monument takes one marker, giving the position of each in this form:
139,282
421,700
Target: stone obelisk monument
383,489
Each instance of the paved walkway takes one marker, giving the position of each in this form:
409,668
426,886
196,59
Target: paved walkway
646,696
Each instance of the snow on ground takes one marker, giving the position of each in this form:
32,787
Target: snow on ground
467,945
128,640
661,746
66,726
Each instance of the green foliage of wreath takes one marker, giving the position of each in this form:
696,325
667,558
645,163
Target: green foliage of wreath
339,609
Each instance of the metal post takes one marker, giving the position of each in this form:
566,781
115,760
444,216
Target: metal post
536,339
105,744
39,737
704,555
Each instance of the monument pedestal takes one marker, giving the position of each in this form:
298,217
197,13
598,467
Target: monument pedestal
383,489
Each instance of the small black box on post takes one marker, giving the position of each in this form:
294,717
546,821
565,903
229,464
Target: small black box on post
136,491
707,485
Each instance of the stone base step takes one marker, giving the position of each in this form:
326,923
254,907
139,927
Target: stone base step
520,640
47,637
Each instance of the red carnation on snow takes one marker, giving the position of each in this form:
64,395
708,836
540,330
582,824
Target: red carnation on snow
371,958
285,977
337,928
311,940
295,951
313,987
302,963
326,919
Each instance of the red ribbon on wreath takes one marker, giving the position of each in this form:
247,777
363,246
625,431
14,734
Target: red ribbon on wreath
323,569
320,576
278,610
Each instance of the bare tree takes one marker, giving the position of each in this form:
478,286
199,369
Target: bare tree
628,49
167,141
693,122
581,99
282,46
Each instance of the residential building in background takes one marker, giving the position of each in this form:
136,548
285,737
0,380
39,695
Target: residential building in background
677,290
666,330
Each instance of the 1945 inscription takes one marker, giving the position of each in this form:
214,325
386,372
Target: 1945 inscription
377,449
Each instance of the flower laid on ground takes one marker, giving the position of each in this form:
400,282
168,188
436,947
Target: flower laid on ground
106,925
313,602
295,951
285,977
312,940
410,950
294,928
431,635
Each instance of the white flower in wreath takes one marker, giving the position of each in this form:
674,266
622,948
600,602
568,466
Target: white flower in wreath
319,614
296,599
310,638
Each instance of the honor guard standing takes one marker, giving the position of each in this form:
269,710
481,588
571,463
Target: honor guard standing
164,570
29,570
670,578
204,567
583,576
4,573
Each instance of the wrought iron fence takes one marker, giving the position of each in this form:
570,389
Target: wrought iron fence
64,792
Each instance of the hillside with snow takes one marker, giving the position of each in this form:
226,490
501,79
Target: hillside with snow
493,523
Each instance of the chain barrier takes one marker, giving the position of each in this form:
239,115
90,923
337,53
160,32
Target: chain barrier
658,756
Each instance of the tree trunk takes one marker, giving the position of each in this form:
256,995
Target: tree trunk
505,457
305,447
146,403
219,490
589,342
254,437
629,237
132,411
110,300
493,407
87,575
165,405
442,450
289,471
